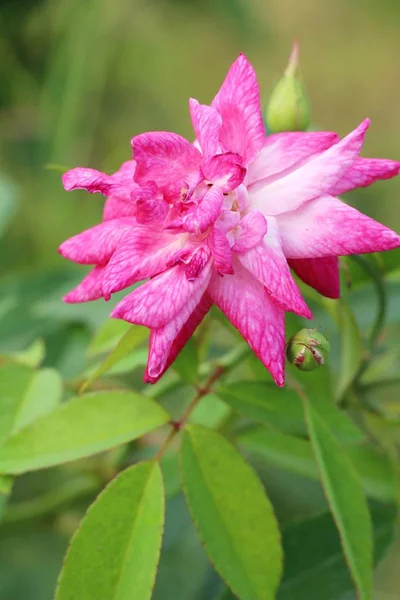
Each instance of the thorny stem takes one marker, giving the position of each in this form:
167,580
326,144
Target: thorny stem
200,393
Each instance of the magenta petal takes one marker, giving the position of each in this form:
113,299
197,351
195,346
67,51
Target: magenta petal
150,205
251,231
116,207
89,289
328,227
206,124
283,151
166,342
270,267
314,178
97,244
158,301
206,212
143,253
223,170
94,181
88,179
257,317
238,103
164,157
365,171
322,274
221,252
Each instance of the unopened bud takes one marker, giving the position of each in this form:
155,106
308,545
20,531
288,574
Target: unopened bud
308,349
288,108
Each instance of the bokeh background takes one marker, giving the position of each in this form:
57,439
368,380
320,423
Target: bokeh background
79,78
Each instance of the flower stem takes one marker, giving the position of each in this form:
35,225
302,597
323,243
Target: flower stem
200,393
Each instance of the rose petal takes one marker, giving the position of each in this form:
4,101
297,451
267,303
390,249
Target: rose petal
166,342
221,251
97,244
311,180
284,151
158,301
258,318
322,274
328,227
251,231
365,171
223,170
206,124
205,213
238,103
142,254
165,157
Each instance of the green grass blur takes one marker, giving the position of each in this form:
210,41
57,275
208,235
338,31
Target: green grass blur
79,79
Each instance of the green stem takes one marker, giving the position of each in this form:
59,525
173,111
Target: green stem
178,425
381,297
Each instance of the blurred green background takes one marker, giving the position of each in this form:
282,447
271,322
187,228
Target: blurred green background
79,78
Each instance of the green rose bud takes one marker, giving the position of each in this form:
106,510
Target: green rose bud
308,349
288,108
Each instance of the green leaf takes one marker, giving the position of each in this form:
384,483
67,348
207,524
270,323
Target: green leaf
210,412
187,363
351,349
282,408
295,455
26,395
266,403
314,558
115,552
32,356
281,450
346,499
6,484
381,368
232,513
8,203
132,338
108,336
134,360
339,423
81,427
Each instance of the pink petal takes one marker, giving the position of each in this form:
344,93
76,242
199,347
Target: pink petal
205,213
251,231
270,267
365,171
311,180
164,158
167,342
221,251
97,244
228,220
206,124
322,274
116,207
94,181
224,170
142,254
197,262
158,301
251,310
283,151
150,205
89,289
238,103
328,227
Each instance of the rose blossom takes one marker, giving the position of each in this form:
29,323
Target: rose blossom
221,220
